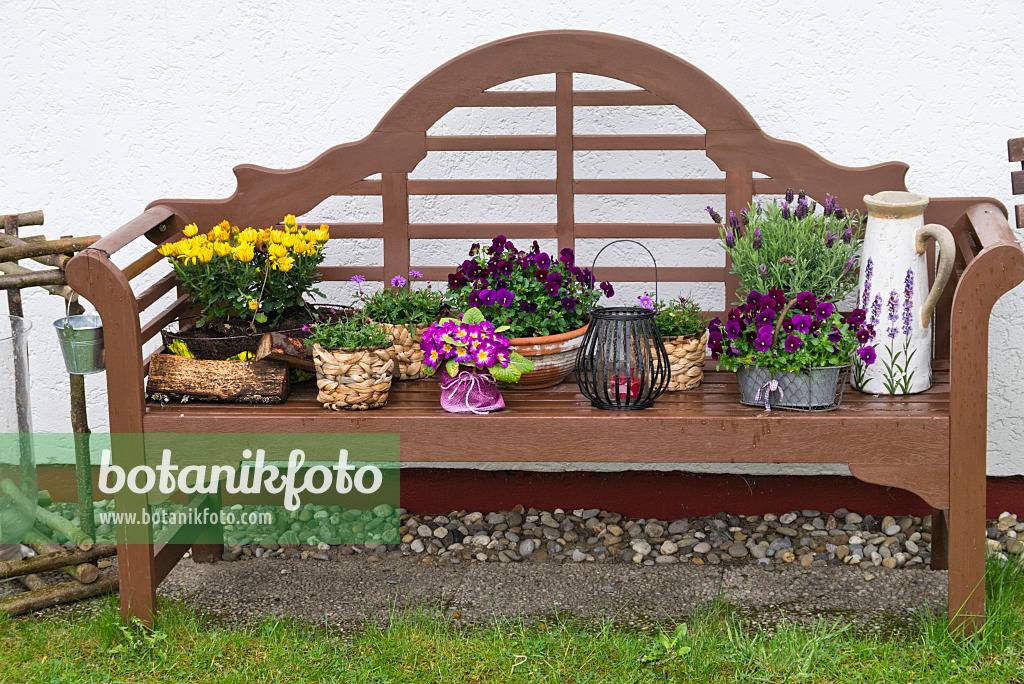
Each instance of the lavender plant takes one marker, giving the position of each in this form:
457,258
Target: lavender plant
816,335
790,247
897,377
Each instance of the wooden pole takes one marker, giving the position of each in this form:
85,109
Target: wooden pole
30,250
86,573
13,283
54,561
32,582
61,290
52,520
28,218
29,601
80,428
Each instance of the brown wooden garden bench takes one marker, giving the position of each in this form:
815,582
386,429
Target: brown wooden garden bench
932,444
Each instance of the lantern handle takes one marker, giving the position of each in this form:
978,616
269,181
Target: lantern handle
593,266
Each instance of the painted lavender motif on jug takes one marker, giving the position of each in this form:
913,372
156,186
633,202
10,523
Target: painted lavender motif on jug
894,291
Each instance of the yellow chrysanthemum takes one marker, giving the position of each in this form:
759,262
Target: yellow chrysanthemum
253,304
277,251
248,235
222,249
190,230
283,264
300,248
322,234
243,253
205,254
290,240
289,221
168,250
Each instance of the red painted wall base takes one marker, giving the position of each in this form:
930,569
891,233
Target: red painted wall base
671,495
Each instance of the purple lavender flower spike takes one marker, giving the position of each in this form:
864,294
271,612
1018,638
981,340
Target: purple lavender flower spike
893,313
848,233
715,216
785,207
789,195
733,221
908,303
764,270
869,271
757,238
730,239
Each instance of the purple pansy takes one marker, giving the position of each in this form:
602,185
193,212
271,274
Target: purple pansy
504,297
569,303
488,296
824,310
802,323
793,343
608,290
867,355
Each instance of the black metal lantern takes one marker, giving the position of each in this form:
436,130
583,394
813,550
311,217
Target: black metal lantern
622,363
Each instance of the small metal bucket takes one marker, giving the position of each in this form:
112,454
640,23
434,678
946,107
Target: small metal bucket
812,389
81,343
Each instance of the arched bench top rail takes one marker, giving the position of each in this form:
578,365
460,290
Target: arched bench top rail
734,141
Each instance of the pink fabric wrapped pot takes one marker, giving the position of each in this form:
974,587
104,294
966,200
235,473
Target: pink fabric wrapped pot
470,392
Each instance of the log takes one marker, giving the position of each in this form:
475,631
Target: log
31,250
276,346
177,378
32,582
68,592
17,269
86,573
41,515
54,561
29,218
53,276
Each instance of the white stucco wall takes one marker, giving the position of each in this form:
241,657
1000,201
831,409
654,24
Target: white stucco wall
111,105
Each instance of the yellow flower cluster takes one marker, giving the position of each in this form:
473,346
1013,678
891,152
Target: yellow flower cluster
225,241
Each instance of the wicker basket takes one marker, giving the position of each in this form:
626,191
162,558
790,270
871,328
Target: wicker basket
407,352
687,355
353,379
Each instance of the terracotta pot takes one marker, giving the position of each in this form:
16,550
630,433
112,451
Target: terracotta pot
554,357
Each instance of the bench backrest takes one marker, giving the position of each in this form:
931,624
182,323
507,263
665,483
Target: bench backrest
752,163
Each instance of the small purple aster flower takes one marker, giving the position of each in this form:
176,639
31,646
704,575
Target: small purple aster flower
305,328
646,302
358,279
398,281
415,274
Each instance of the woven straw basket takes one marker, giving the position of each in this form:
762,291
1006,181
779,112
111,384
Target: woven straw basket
686,355
407,352
353,379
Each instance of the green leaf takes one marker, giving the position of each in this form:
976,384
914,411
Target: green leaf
472,316
261,318
510,374
523,364
452,367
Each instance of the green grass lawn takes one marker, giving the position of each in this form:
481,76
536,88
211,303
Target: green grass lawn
423,646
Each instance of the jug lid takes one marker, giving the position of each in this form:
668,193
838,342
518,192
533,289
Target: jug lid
895,204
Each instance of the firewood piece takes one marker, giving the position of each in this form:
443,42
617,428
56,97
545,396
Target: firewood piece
177,378
27,218
86,573
30,250
54,561
294,351
68,592
51,520
32,582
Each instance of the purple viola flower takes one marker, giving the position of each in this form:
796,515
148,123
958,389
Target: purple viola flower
793,343
732,350
856,317
542,260
908,302
789,195
735,314
864,335
608,290
763,342
779,296
835,337
528,307
802,323
757,238
867,355
358,279
569,303
730,239
488,296
824,310
456,280
541,276
552,288
498,244
567,256
788,325
732,329
715,216
753,298
504,297
869,271
555,278
785,206
585,277
806,302
766,317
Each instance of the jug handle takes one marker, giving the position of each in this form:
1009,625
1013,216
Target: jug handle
947,252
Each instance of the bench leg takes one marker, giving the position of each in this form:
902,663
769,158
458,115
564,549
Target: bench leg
136,571
209,547
966,552
940,540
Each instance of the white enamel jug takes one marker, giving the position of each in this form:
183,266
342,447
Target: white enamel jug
894,292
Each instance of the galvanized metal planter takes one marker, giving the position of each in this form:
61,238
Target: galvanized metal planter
812,389
81,343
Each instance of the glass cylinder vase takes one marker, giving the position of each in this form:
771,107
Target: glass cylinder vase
18,485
